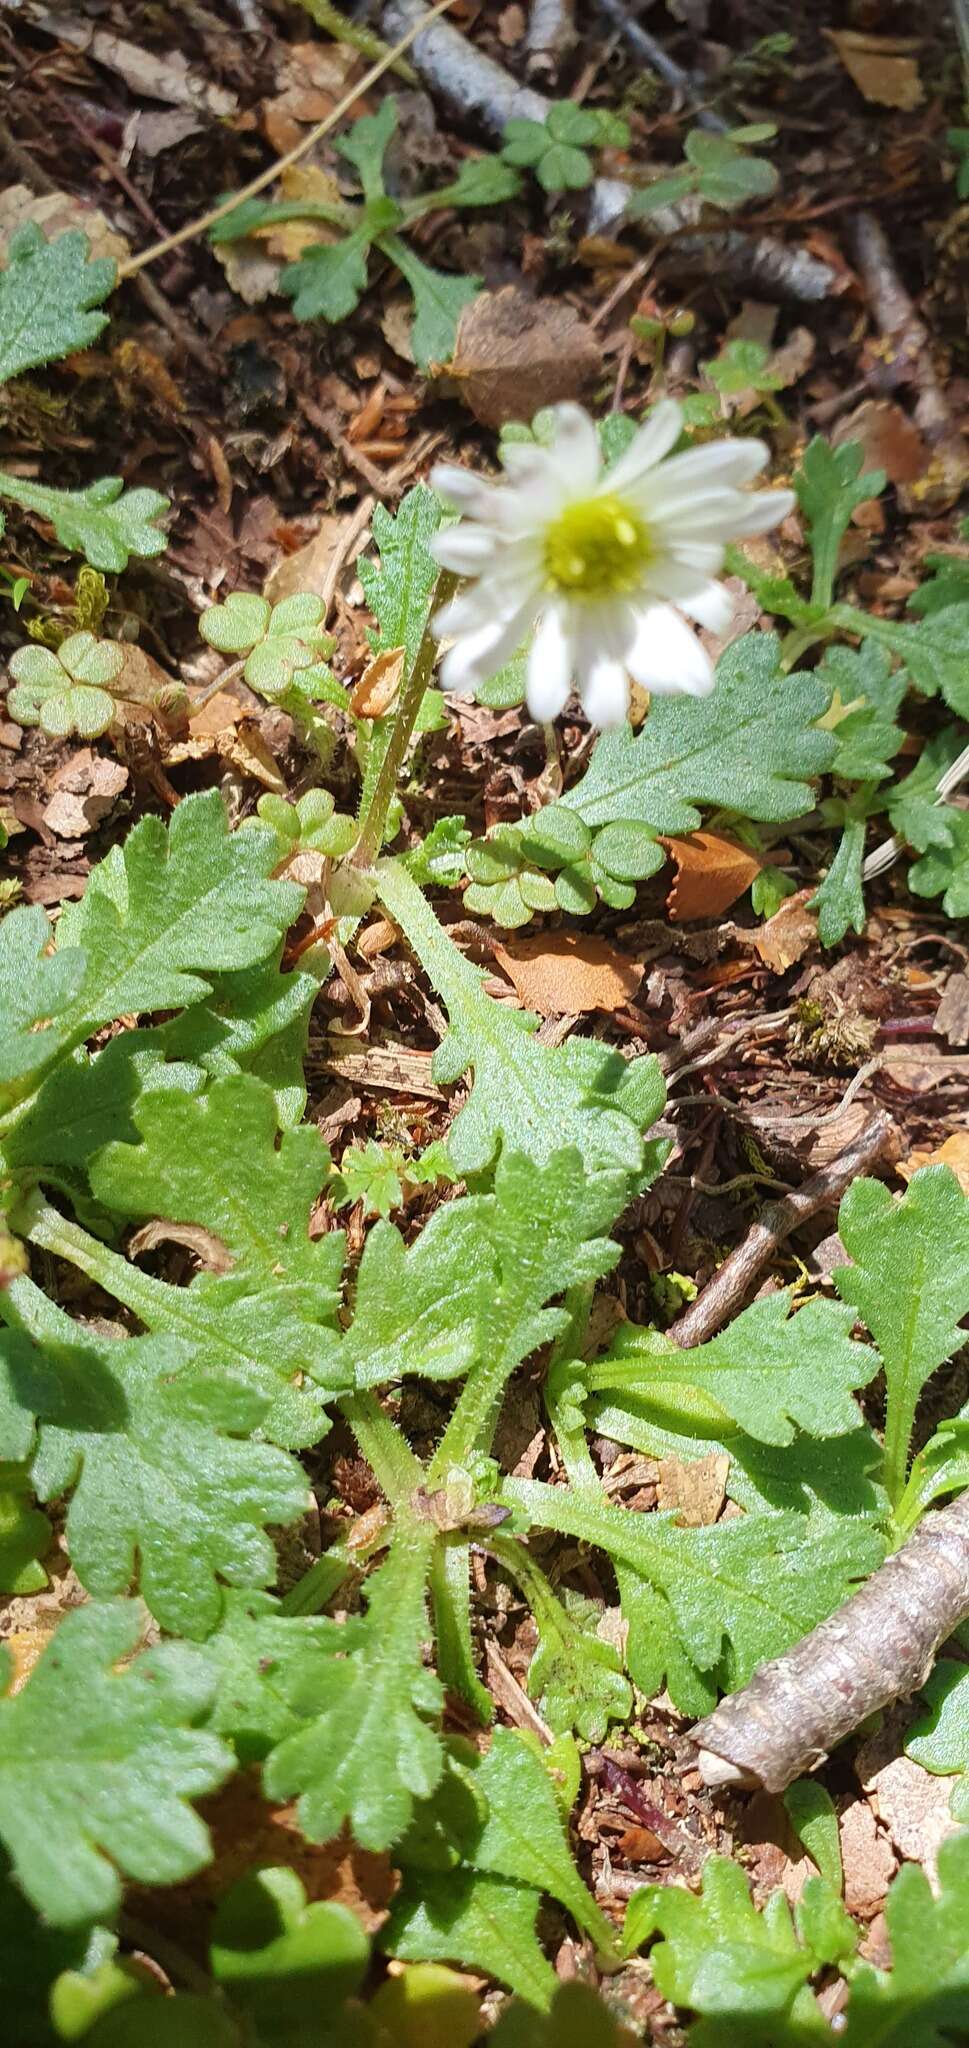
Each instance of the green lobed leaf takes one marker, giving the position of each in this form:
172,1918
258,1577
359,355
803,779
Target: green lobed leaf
769,1371
47,292
438,302
250,1653
365,1750
840,898
925,1996
575,1675
99,1763
910,1283
327,281
830,483
33,1956
709,1604
270,1311
521,1835
37,988
25,1533
871,692
398,590
105,522
481,1922
944,868
151,1446
365,145
934,652
753,741
526,1098
577,2018
939,1740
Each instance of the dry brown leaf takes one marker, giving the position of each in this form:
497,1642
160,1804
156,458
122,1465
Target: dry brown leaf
954,1153
308,568
564,974
788,935
882,67
869,1861
312,78
711,872
695,1489
253,266
889,439
54,213
377,688
515,354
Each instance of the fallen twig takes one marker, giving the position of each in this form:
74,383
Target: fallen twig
910,360
659,60
879,1647
551,37
467,80
731,1284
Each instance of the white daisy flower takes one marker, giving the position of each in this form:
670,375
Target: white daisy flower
592,562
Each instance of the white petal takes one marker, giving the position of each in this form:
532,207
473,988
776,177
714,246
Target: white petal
671,580
666,658
465,491
711,606
761,510
575,449
466,548
704,558
476,656
549,667
605,694
655,438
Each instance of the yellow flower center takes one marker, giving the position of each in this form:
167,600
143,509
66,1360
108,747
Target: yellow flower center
596,548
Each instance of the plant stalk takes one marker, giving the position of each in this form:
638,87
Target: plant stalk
411,698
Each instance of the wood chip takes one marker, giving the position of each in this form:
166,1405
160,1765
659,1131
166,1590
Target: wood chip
881,66
84,791
711,873
515,354
393,1067
565,974
913,1805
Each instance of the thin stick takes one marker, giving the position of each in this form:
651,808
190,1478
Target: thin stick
880,1646
208,220
730,1286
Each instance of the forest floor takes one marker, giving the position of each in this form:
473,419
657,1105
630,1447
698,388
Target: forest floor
275,440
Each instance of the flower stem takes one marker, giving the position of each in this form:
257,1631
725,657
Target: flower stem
411,698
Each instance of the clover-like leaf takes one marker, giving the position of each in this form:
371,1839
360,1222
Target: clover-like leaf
726,175
281,1961
67,692
910,1283
151,1447
312,824
98,1764
47,294
277,639
364,1750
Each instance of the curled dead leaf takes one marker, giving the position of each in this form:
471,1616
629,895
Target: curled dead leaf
515,354
788,935
565,974
711,873
54,213
377,688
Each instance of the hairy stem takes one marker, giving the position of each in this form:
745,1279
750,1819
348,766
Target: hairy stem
397,1471
451,1597
411,699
